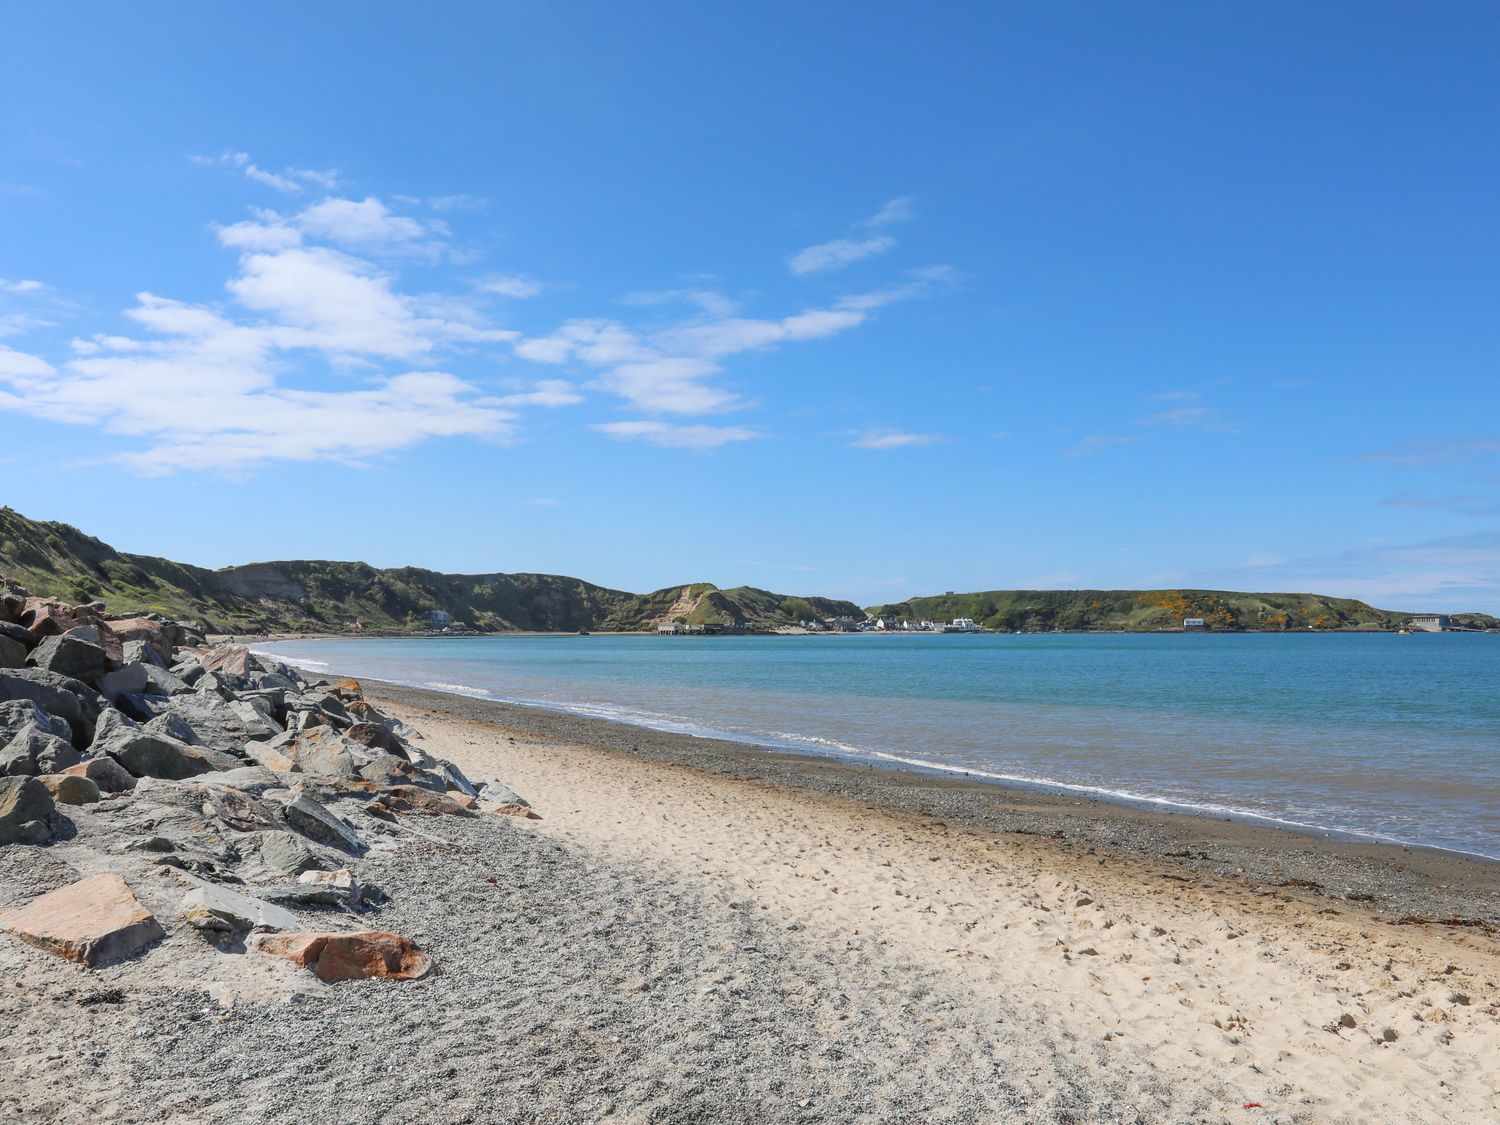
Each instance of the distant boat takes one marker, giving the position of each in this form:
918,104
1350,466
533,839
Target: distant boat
583,632
961,625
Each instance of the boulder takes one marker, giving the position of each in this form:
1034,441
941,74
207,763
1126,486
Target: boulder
333,957
142,652
31,751
388,770
68,699
268,757
288,854
317,823
525,812
70,789
153,755
127,679
318,888
495,793
12,653
209,907
104,772
455,779
173,726
18,633
147,632
17,715
377,737
215,721
93,921
48,617
415,799
323,752
26,810
163,682
230,661
238,810
71,655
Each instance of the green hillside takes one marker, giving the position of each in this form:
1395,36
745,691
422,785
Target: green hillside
1147,610
59,560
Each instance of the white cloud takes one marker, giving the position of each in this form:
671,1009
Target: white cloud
288,180
898,210
678,437
514,286
546,392
838,254
710,301
363,224
25,285
230,387
893,439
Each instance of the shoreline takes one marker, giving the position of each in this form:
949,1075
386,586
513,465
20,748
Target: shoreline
1425,884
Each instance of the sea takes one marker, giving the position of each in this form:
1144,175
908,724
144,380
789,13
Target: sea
1375,736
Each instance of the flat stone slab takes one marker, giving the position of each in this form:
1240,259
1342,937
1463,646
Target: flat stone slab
353,956
92,921
208,906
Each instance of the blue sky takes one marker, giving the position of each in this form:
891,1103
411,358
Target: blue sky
864,300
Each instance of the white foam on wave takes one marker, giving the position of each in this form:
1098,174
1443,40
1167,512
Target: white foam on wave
294,661
456,689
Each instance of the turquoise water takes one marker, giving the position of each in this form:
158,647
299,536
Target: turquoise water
1392,737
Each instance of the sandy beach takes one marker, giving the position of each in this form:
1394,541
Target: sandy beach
701,931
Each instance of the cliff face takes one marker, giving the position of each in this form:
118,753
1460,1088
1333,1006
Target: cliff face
59,560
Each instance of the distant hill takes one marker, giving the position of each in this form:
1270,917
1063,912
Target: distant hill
1149,610
314,596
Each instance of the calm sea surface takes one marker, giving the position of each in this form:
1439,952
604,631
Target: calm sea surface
1394,737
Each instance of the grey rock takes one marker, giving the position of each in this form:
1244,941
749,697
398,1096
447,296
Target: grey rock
126,679
175,726
214,720
18,633
68,699
501,794
188,671
317,823
154,755
12,653
107,774
250,780
388,770
26,810
164,682
17,715
142,652
71,655
289,854
456,779
207,903
32,751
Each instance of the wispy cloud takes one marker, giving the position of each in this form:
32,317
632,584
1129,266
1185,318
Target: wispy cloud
899,210
893,439
544,502
1431,451
709,301
1201,417
515,286
841,252
678,437
289,180
1468,504
837,254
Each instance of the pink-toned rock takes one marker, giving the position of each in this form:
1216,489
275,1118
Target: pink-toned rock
70,789
91,921
354,956
48,617
160,635
415,799
105,772
227,660
525,812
